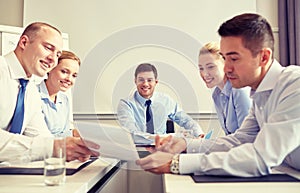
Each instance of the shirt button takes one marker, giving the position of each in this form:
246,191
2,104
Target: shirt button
261,108
193,150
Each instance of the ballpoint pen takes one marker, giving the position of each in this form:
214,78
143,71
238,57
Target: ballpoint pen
208,135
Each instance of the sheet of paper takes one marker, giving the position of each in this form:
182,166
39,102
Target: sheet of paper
114,141
145,139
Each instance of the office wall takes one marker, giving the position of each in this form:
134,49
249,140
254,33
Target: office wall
113,36
269,9
11,12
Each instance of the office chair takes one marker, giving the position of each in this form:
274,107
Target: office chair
170,126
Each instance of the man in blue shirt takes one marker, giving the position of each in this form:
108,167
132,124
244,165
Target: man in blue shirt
132,110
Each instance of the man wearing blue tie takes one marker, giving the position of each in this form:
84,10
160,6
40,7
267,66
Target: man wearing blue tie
22,126
146,111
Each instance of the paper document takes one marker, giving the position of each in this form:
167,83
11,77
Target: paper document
143,138
114,141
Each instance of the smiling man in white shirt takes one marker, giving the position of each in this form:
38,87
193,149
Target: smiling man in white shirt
37,52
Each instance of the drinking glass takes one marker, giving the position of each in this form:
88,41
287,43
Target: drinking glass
55,162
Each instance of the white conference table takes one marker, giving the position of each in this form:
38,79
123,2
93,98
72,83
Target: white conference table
80,182
184,183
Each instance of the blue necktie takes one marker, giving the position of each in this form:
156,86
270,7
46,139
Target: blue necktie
149,120
18,117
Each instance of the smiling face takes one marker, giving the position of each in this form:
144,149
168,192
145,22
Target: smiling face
63,76
145,83
40,52
211,70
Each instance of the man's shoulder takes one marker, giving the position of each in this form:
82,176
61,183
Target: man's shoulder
4,69
129,100
161,95
3,63
289,78
164,99
290,73
292,68
130,97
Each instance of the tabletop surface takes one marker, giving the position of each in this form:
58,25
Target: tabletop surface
79,182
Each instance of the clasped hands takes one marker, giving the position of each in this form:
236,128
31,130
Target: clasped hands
160,159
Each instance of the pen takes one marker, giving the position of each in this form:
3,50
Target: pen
208,135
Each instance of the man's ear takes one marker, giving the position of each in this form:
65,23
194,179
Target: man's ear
24,40
266,56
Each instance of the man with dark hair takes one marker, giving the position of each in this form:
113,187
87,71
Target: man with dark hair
22,125
269,135
133,112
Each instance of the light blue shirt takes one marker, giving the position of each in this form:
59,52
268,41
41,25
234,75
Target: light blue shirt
268,137
132,114
56,114
232,106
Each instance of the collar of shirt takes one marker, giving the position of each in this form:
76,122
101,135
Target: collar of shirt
45,95
226,90
143,100
268,82
15,68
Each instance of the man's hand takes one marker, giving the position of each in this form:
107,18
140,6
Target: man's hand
157,162
76,148
169,144
160,159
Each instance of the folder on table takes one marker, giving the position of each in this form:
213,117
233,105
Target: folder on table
267,178
37,168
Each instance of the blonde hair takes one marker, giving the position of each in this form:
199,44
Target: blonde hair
211,48
68,55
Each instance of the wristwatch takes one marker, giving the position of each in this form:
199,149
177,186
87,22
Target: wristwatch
174,167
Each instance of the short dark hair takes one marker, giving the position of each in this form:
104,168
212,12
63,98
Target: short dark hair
32,29
145,67
255,31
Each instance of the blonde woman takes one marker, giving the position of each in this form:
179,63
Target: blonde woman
232,105
55,102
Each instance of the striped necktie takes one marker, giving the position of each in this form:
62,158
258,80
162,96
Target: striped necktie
18,117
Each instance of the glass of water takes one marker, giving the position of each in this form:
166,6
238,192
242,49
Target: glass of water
55,162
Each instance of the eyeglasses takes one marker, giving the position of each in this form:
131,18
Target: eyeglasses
142,80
